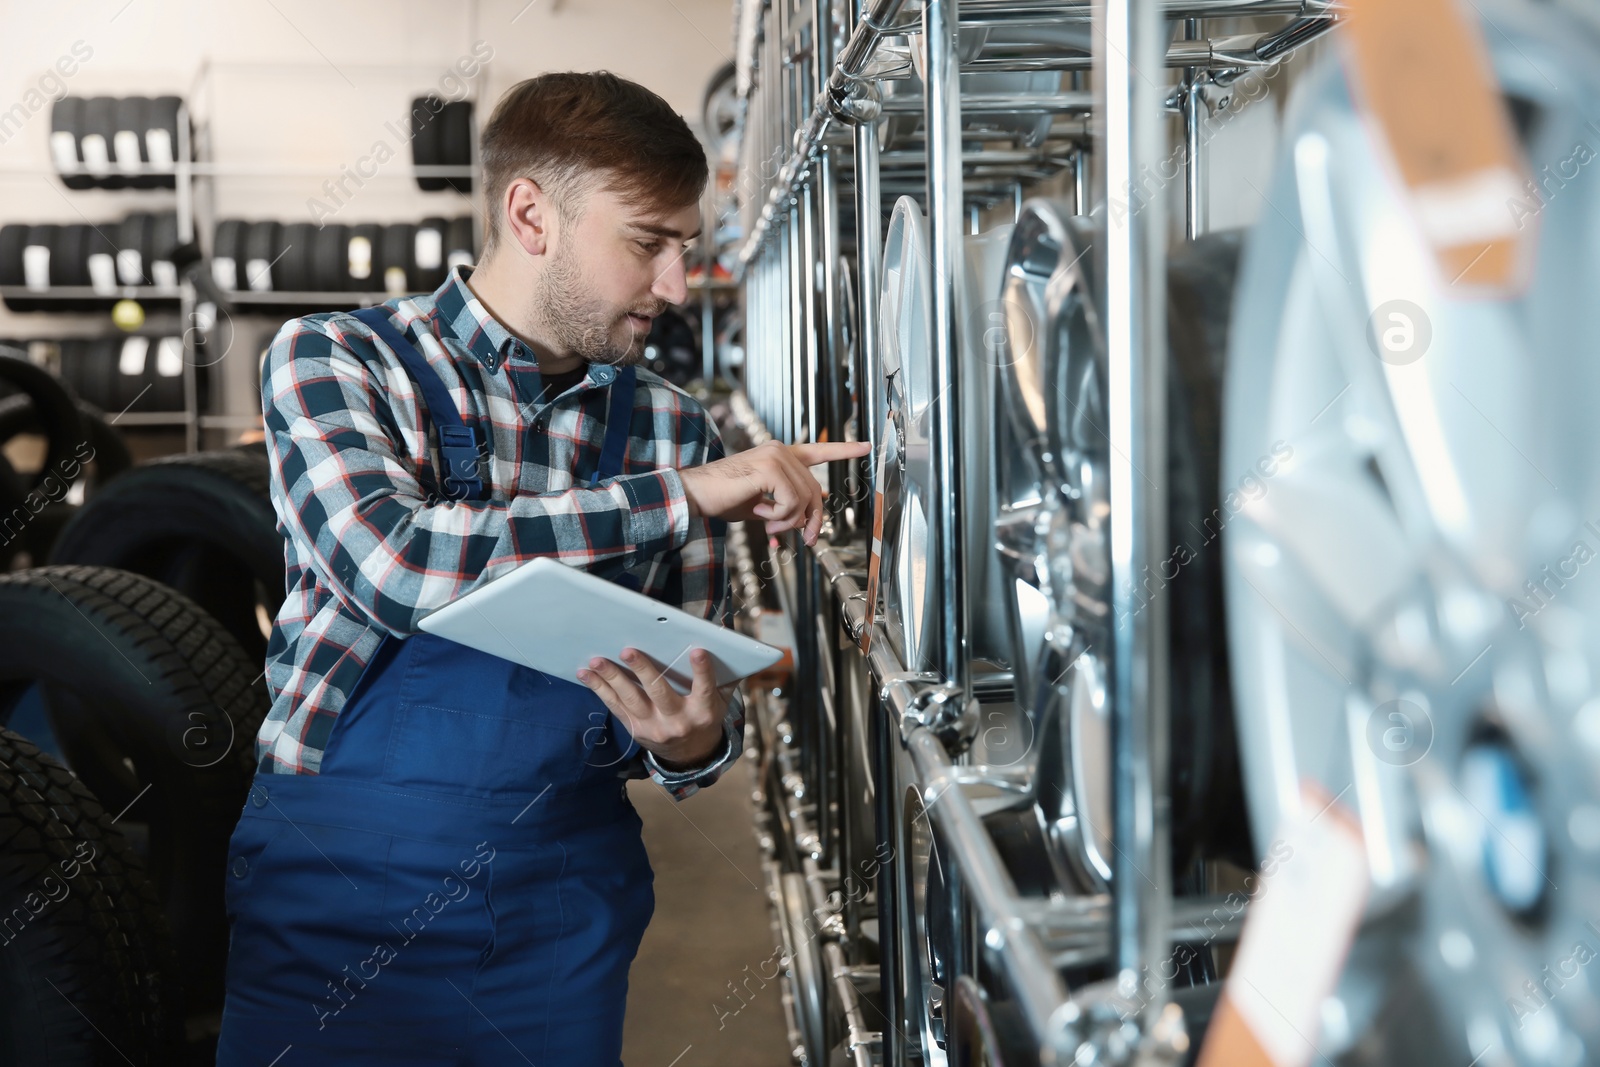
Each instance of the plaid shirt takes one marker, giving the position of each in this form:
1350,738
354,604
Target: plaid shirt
371,545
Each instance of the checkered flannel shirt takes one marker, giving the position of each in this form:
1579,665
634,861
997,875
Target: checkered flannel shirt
371,545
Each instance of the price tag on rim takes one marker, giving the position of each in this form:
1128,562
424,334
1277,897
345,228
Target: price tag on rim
1421,76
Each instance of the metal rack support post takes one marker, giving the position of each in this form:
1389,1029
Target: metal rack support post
942,116
1128,52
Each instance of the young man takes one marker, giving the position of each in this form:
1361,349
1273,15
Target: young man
438,862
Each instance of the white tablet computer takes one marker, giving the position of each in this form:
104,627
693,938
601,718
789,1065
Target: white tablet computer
555,618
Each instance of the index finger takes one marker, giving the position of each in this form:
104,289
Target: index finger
830,451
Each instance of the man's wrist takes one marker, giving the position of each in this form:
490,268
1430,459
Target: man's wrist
686,480
682,765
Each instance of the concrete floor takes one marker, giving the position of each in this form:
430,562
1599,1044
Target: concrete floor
709,935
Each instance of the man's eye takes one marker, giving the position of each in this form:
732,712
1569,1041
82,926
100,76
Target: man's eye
649,248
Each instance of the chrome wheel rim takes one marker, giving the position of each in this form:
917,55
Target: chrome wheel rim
1374,644
1052,526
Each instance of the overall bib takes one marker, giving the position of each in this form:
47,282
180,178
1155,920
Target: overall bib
464,883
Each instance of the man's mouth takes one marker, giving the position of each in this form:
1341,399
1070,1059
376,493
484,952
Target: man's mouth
639,322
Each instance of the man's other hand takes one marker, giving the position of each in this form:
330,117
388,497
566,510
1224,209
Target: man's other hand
681,731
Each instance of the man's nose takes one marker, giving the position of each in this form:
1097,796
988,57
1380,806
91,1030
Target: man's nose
672,284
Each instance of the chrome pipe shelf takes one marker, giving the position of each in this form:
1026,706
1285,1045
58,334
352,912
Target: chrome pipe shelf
1013,12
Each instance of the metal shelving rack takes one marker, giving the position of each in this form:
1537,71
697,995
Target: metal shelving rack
249,302
182,173
811,156
193,201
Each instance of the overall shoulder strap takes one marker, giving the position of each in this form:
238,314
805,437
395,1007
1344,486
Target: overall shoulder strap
458,442
619,421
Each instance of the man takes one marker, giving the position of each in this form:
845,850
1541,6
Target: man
437,862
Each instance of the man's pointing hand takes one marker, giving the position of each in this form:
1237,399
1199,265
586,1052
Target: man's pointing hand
771,482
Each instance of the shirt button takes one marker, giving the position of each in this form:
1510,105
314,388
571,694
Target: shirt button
241,867
258,796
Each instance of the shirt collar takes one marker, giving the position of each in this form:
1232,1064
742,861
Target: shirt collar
490,343
461,313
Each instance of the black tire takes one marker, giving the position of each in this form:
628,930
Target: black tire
459,247
330,258
100,120
13,239
89,366
174,696
91,976
985,1032
133,249
294,257
104,355
66,119
33,510
101,370
366,258
55,410
260,245
1208,805
166,390
399,240
43,236
130,117
69,256
19,415
202,523
428,251
455,141
166,255
70,363
128,392
425,139
69,264
161,116
100,264
227,254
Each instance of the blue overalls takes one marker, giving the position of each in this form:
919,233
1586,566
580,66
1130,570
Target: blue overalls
464,882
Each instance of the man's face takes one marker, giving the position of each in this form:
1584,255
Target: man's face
613,269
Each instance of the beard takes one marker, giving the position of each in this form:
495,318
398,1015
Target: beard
582,324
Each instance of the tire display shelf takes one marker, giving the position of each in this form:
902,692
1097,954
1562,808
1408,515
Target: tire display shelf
193,176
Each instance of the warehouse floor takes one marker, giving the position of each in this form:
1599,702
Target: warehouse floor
709,935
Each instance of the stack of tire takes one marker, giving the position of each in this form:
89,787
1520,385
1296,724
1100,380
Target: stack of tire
134,659
140,250
80,454
141,372
441,136
296,258
130,142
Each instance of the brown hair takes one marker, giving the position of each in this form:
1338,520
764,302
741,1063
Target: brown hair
566,130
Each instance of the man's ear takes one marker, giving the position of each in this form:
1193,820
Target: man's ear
530,216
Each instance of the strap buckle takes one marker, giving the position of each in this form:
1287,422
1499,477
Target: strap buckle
458,449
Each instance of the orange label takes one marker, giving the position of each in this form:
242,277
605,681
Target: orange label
1420,72
1270,1011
